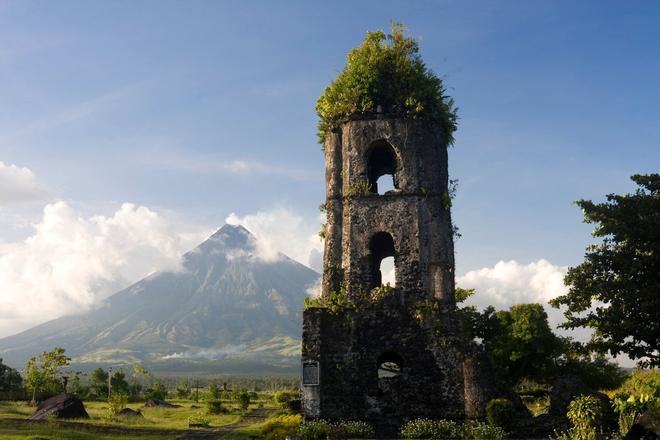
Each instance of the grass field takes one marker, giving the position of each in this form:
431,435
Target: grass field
158,423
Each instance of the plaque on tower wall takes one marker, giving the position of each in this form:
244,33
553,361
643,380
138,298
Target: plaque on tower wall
310,373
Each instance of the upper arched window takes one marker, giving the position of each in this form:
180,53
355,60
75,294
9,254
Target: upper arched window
381,247
381,167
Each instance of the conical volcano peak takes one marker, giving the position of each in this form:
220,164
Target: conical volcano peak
232,232
232,236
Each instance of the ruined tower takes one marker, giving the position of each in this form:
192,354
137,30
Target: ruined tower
373,353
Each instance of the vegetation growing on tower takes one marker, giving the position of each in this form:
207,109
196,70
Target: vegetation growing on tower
386,71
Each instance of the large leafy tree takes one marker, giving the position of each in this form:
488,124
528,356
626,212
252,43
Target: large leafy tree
522,347
521,343
100,382
10,379
616,289
43,374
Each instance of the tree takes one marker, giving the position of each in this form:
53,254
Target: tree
183,390
242,397
214,391
10,379
157,391
43,375
520,343
118,383
100,382
616,289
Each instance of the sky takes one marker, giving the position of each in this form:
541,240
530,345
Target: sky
130,130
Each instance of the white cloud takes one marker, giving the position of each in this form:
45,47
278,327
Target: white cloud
19,185
282,230
208,354
509,282
71,263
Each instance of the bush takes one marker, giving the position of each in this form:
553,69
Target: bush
585,412
283,398
214,392
631,408
357,429
158,391
386,71
426,428
501,412
242,397
279,427
641,382
116,403
214,407
586,416
198,419
183,390
483,431
314,430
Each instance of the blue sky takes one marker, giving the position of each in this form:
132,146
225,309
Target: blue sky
198,109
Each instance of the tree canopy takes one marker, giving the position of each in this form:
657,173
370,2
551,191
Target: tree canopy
43,375
616,289
10,379
386,70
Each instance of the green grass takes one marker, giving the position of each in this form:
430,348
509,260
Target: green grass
100,426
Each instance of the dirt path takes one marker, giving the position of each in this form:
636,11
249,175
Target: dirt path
255,416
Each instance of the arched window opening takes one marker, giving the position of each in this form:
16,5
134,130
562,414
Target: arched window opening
381,167
390,365
381,247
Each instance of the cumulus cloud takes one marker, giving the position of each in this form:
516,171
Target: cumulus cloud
19,185
71,263
283,231
509,282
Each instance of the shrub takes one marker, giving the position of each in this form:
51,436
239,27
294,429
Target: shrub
631,408
501,412
386,71
242,397
426,428
314,430
284,397
279,427
158,391
586,415
214,392
585,412
483,431
183,390
116,403
198,419
641,382
214,407
357,429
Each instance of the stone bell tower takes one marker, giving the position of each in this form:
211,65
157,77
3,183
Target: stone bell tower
385,355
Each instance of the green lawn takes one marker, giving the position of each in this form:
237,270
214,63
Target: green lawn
158,423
